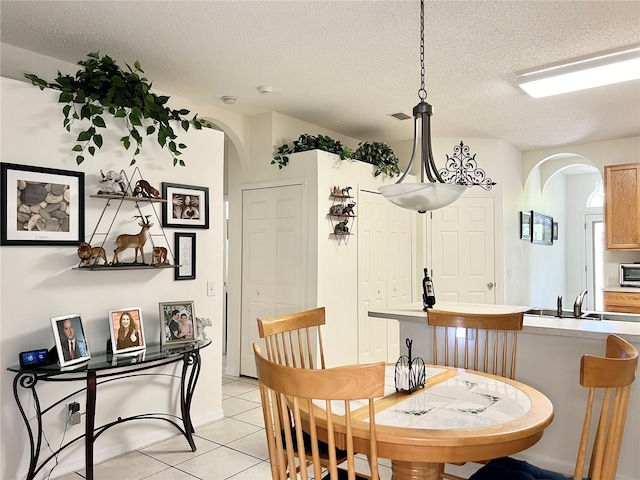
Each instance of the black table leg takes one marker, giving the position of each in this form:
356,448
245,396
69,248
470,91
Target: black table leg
90,421
29,380
186,392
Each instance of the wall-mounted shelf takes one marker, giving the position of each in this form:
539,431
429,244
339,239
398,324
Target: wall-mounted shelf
117,200
341,215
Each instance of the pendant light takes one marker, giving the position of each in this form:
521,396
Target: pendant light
423,196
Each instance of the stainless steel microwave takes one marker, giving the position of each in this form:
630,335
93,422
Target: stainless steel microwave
630,274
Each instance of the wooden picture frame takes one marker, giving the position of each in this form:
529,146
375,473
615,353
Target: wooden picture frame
60,218
541,229
525,226
186,206
185,248
177,323
130,336
67,331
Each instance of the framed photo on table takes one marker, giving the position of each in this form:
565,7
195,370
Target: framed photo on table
127,330
71,341
177,323
185,248
542,229
186,206
41,206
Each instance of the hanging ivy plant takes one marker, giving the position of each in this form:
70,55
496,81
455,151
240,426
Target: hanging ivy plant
310,142
379,154
102,87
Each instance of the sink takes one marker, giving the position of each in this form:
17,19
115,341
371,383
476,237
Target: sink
548,312
612,316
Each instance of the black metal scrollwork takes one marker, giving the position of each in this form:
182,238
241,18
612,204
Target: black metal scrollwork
462,169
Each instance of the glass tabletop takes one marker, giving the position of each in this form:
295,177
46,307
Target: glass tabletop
106,360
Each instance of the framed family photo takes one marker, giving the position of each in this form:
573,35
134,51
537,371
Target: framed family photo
177,323
71,341
127,331
41,206
186,206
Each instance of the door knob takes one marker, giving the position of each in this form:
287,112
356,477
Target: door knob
490,285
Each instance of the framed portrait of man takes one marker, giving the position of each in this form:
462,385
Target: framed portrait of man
177,323
71,341
127,331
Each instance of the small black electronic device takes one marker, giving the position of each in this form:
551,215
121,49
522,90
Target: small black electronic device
34,358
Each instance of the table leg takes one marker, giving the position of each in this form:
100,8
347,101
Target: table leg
187,387
29,380
90,421
414,470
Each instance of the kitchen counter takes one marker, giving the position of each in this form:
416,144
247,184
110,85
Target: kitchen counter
536,324
621,289
548,359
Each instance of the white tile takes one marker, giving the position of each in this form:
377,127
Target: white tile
261,471
253,416
171,474
226,430
132,466
254,444
218,464
176,450
235,405
237,388
253,396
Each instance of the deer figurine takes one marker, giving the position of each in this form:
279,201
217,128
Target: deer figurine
134,241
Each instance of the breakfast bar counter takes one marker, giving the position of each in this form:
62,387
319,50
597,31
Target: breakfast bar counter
548,359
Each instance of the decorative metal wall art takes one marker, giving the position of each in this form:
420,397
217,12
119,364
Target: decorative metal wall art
462,169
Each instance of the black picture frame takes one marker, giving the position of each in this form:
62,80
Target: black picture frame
555,230
525,226
185,248
186,206
541,229
24,186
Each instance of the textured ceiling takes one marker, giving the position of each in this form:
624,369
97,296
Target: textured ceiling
345,65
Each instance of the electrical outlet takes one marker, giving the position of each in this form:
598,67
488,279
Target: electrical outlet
74,419
74,413
73,407
211,288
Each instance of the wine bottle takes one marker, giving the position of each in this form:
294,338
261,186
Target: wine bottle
428,293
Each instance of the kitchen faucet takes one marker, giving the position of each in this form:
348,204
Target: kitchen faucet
577,306
559,312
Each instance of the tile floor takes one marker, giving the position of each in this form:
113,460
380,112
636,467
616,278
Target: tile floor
232,448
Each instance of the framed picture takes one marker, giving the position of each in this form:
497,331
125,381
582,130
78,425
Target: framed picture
555,230
185,248
542,229
186,206
525,226
127,331
41,206
71,341
177,323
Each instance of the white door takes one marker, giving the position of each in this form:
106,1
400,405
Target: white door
462,251
274,263
372,277
594,249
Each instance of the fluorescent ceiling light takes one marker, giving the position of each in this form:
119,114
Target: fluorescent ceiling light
613,66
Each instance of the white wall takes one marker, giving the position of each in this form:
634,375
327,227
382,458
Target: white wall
38,282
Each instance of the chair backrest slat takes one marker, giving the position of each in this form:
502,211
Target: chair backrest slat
614,373
490,341
299,390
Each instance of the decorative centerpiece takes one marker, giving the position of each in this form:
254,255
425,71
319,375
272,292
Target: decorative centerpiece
410,373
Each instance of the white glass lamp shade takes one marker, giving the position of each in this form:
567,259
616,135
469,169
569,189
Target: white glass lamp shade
423,197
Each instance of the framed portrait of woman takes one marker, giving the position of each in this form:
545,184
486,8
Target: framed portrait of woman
127,331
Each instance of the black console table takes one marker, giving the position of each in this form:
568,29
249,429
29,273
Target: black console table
99,369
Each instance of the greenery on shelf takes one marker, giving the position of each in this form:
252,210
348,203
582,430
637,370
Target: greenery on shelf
379,154
310,142
101,87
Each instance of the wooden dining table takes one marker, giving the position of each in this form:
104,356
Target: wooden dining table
459,416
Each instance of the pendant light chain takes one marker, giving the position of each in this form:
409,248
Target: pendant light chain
422,93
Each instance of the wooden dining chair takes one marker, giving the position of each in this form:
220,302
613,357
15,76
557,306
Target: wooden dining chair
613,374
489,343
319,400
291,339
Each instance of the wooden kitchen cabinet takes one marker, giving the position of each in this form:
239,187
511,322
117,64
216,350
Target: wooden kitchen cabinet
622,206
624,302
